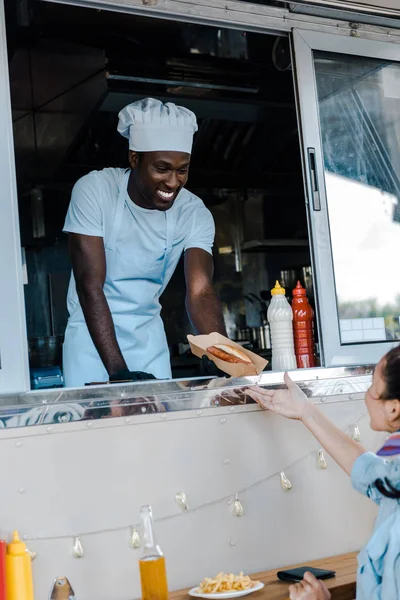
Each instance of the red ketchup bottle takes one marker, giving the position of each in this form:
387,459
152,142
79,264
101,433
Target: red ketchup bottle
303,328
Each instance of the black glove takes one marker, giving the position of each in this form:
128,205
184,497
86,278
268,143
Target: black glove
210,369
127,375
248,346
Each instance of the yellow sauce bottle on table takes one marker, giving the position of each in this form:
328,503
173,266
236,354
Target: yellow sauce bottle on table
153,573
19,582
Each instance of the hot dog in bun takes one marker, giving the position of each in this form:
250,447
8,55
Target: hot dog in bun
229,354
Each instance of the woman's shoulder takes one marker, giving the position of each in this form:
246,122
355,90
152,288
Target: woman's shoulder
368,468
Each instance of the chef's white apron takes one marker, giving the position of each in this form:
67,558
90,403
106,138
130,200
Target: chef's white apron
135,279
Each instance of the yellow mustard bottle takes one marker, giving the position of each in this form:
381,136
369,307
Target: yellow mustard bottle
19,582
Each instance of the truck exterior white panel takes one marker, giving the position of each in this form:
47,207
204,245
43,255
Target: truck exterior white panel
89,479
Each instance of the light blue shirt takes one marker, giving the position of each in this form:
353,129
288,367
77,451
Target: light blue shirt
378,576
142,249
92,211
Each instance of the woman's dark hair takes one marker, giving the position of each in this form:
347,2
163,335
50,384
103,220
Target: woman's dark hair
387,489
391,377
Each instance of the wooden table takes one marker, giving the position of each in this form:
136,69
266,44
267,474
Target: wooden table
342,587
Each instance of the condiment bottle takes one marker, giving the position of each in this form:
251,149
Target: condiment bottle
280,318
303,328
153,574
19,581
3,547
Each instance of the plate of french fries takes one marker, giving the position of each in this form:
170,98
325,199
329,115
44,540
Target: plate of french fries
226,585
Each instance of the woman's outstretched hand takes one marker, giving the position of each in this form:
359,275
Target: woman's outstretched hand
309,588
291,403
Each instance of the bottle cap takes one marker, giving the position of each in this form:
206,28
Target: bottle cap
278,289
16,546
299,290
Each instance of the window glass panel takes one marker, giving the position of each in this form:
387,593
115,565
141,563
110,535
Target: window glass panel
359,106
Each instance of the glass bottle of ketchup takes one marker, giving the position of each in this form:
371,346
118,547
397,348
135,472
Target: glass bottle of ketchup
153,573
303,328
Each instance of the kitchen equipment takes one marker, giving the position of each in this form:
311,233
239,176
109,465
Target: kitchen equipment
289,278
58,290
43,378
263,307
265,337
45,351
259,337
255,336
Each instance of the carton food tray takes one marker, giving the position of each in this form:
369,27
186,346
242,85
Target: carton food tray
200,343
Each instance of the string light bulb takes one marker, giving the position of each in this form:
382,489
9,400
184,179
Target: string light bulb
321,460
77,548
355,432
181,499
285,483
134,540
238,509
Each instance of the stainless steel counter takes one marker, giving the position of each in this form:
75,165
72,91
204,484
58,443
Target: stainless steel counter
104,401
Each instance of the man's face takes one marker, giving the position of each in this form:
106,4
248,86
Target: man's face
158,177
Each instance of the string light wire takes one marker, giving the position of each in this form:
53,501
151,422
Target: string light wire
193,508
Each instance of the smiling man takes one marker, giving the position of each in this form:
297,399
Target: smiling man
127,231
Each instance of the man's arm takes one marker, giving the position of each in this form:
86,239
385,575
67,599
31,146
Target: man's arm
202,303
89,267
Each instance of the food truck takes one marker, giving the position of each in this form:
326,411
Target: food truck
298,158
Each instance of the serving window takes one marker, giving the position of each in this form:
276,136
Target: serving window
340,239
356,216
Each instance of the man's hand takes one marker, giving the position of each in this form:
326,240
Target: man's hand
310,588
209,369
127,375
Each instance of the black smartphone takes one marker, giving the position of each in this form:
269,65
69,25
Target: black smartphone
298,574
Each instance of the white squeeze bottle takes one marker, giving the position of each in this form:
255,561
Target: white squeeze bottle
280,319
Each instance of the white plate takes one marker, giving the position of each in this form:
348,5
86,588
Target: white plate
224,595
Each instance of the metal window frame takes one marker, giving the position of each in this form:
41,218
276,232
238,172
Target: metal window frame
352,5
234,14
304,42
14,371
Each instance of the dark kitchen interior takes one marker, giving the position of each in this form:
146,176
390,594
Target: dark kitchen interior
72,69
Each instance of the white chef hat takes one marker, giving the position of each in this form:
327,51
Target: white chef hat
152,126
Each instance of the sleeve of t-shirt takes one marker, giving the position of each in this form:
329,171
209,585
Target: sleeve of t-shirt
85,212
368,468
202,232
